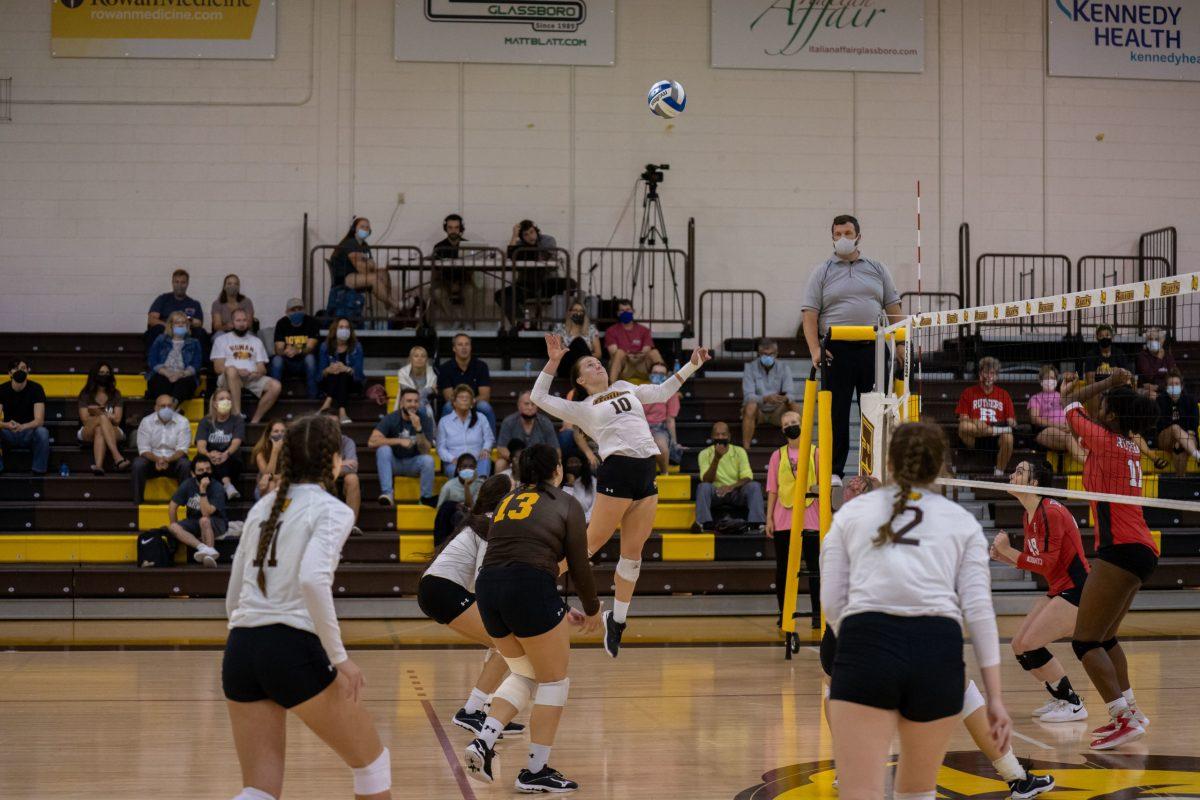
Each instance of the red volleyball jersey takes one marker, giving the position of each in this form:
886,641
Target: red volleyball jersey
1053,547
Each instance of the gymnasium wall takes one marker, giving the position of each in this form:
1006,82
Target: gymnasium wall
112,173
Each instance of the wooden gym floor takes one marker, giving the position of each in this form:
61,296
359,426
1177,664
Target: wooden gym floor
676,718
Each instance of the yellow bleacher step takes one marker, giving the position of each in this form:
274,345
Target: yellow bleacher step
68,548
70,385
151,516
160,489
414,517
416,547
688,547
674,487
408,490
194,410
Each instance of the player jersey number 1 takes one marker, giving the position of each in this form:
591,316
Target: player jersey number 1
1135,472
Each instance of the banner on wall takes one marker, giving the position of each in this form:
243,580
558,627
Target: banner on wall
162,28
1150,39
849,35
535,32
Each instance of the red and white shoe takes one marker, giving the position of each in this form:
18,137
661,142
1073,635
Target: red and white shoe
1126,730
1140,718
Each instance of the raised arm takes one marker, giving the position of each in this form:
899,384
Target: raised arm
540,395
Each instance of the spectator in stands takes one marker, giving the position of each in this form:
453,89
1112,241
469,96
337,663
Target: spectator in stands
450,283
219,438
101,409
352,265
176,300
1047,417
781,494
986,416
727,484
463,368
630,347
266,457
846,289
456,497
579,336
661,417
418,374
1178,418
1154,361
23,404
175,359
1106,357
766,391
528,425
341,367
528,243
346,484
463,431
163,439
579,482
204,521
454,229
295,343
240,361
228,301
402,446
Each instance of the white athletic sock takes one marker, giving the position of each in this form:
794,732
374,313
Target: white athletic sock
1118,707
1128,697
250,793
1009,768
491,731
476,701
620,610
539,754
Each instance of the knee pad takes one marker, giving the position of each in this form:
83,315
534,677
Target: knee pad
629,569
552,694
521,666
1033,659
1109,644
375,777
972,700
517,690
250,793
1083,648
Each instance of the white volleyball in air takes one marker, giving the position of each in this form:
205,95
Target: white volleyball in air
666,99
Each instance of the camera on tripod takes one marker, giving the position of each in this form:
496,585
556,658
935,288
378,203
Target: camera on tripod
654,173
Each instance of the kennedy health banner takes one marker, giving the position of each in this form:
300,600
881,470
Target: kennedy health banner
163,28
853,35
536,32
1152,39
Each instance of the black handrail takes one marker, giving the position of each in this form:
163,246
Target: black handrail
738,317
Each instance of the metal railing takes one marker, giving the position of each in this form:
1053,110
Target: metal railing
964,261
1161,243
657,282
1005,277
392,264
731,321
1093,272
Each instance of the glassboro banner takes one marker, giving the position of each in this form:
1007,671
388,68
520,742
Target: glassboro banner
849,35
1152,39
539,32
162,28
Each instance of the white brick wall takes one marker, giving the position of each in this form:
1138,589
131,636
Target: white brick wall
99,202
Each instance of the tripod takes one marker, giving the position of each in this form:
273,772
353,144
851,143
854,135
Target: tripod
652,229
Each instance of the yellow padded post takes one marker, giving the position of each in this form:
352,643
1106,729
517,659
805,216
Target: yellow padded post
852,333
688,547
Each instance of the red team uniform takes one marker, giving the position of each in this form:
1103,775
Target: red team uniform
993,409
1054,550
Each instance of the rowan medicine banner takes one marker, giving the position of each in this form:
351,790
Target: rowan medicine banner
1150,39
536,32
163,28
847,35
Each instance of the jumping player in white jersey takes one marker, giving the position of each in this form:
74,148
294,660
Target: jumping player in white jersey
626,490
284,651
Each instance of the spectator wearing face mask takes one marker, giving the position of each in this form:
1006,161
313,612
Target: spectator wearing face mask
661,417
1178,419
101,409
163,439
228,301
219,438
266,457
1047,417
1105,358
296,335
727,483
457,495
1154,361
630,347
579,482
204,519
240,361
782,471
986,416
352,265
526,424
341,368
579,336
23,404
175,360
766,391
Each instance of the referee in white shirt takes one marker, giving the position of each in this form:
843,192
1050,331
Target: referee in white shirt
847,290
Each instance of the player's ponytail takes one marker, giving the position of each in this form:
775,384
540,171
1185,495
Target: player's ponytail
915,456
539,462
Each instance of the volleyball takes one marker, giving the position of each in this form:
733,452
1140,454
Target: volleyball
666,99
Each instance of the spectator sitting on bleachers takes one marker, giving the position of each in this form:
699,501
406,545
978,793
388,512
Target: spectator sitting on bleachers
204,520
240,361
101,409
579,482
727,484
219,438
228,301
1154,361
23,403
341,367
1105,358
527,424
661,417
418,374
1049,421
766,390
266,457
1178,418
456,497
630,347
176,300
579,336
351,265
464,368
402,446
163,439
986,416
528,243
295,343
346,483
175,359
464,431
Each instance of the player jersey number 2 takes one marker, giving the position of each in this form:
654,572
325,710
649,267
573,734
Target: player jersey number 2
1135,472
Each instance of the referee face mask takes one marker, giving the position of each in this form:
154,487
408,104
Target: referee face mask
845,246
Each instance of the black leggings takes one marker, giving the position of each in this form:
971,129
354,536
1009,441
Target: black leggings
231,468
339,387
810,547
182,389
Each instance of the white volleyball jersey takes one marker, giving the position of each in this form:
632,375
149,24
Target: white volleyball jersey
938,567
615,418
460,560
313,527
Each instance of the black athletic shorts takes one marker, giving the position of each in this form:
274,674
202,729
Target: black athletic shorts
1071,595
828,650
628,477
1131,557
913,665
442,600
518,599
275,662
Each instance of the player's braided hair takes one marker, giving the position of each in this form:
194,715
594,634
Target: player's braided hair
915,455
309,446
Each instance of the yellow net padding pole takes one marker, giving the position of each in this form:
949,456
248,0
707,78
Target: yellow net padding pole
863,333
791,586
824,473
